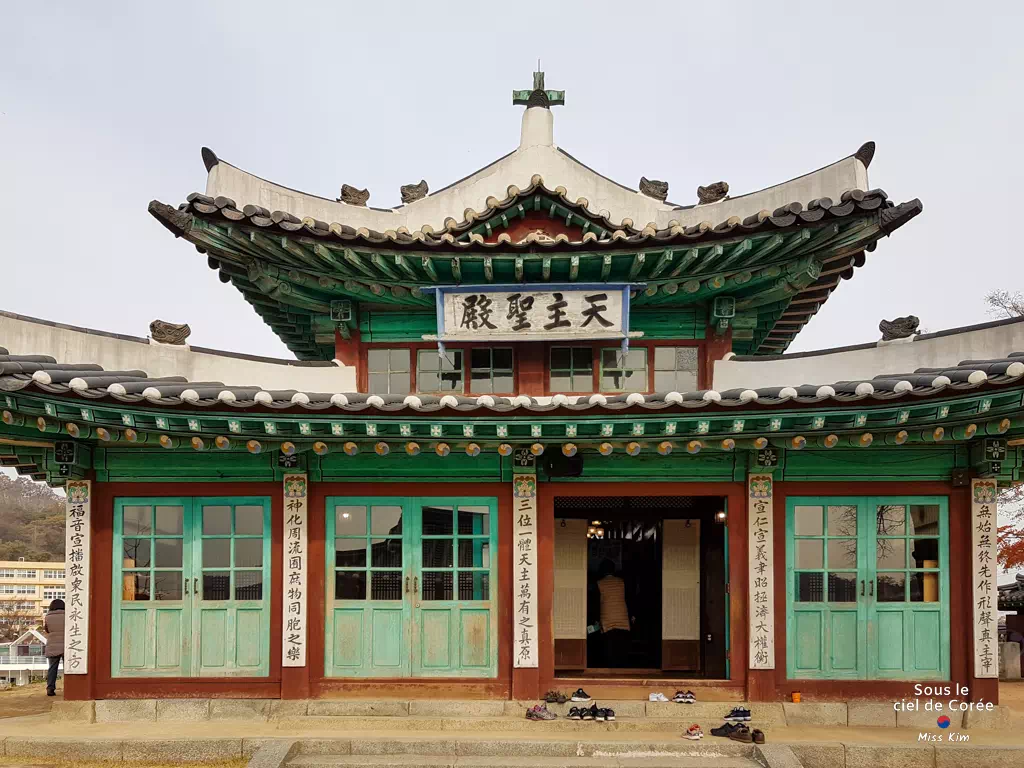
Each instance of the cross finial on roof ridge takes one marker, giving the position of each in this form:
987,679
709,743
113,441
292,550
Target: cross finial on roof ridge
539,96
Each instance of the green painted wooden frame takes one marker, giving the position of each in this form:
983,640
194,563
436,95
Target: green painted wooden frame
413,610
190,643
867,609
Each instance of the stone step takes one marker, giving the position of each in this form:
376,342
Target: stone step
507,724
419,761
461,746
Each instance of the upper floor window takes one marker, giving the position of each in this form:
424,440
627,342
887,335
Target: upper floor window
25,589
491,370
6,573
437,374
675,369
48,574
53,594
23,574
6,589
389,371
572,369
624,373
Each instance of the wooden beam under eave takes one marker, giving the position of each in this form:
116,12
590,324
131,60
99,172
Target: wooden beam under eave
356,261
574,267
765,247
327,255
380,263
546,267
664,262
489,269
406,267
519,269
736,252
429,268
275,251
637,265
710,258
689,258
456,267
606,266
304,255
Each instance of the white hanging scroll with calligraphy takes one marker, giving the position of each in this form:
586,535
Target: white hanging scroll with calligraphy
760,572
524,526
77,522
296,566
983,577
513,312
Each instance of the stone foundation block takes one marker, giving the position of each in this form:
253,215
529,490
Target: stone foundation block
880,714
435,708
357,708
777,756
69,750
816,713
889,756
825,754
181,750
288,710
516,748
273,754
239,709
125,710
325,747
925,719
966,756
183,710
999,718
73,712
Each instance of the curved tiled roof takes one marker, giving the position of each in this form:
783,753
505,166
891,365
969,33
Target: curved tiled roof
854,202
45,374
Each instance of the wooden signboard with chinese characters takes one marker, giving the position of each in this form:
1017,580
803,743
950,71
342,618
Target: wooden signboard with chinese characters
515,312
296,568
78,541
524,520
984,571
760,571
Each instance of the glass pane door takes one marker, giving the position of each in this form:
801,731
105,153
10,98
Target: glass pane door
908,589
152,611
825,626
231,632
368,581
454,615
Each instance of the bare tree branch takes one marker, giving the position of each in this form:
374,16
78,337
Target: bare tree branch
1003,303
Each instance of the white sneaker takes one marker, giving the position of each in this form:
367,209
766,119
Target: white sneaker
657,697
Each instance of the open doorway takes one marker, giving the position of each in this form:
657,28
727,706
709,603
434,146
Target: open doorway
640,586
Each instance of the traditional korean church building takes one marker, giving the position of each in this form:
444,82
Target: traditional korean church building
505,389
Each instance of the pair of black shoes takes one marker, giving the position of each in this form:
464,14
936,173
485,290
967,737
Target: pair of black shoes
593,712
739,732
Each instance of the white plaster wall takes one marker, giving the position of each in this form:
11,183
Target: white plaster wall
537,154
24,337
892,357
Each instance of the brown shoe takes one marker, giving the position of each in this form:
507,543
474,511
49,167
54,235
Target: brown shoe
742,734
758,735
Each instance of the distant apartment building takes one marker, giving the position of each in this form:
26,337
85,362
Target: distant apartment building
32,585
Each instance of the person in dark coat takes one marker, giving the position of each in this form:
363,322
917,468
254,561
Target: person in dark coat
53,626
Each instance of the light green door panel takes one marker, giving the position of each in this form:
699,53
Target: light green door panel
151,610
409,587
191,595
867,588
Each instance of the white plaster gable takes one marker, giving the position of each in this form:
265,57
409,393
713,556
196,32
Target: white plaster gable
536,154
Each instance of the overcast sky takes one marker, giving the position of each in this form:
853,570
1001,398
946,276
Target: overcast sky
104,107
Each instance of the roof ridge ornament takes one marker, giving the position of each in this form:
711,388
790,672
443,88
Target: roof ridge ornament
352,196
712,193
654,188
865,153
413,192
538,96
163,332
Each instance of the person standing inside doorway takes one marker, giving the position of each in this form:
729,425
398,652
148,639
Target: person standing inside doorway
53,625
615,623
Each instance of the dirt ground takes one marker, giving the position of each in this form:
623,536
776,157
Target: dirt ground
28,699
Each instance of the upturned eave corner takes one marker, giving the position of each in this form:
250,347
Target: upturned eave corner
891,219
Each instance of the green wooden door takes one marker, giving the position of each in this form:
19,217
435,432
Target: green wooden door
152,612
826,622
867,588
908,589
455,621
367,631
191,587
409,588
231,587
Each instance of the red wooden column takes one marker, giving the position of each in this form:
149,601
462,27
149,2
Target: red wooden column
715,347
